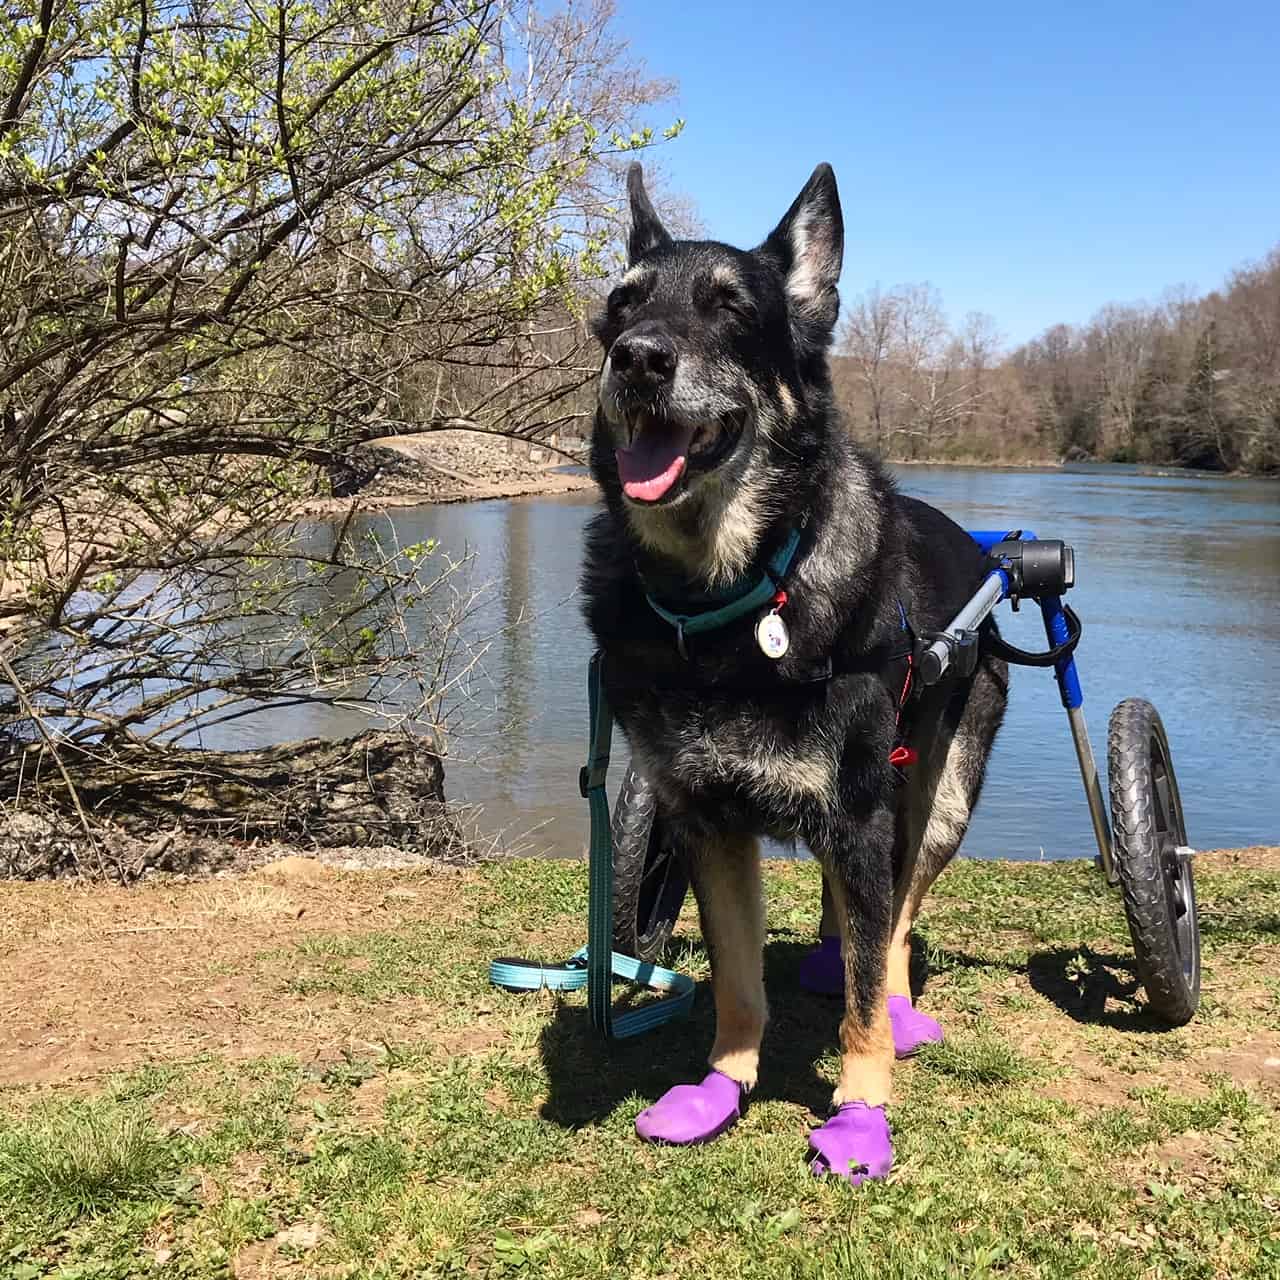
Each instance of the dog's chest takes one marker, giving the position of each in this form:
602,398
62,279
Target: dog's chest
769,761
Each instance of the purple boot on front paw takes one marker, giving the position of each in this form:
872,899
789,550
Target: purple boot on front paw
692,1113
822,969
854,1144
912,1030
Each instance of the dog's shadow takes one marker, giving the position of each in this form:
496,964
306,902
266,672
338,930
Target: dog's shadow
589,1077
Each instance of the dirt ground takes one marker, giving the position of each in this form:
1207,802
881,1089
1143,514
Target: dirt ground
95,977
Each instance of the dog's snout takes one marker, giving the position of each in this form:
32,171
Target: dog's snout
644,357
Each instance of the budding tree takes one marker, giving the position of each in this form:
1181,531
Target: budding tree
236,239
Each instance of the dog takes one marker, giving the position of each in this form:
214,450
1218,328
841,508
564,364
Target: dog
725,473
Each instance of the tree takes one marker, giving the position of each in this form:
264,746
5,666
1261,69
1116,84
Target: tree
867,341
1121,340
234,241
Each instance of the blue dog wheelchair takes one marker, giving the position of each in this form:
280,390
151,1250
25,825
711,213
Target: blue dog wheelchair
1142,843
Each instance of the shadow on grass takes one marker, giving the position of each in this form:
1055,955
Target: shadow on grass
589,1077
1081,982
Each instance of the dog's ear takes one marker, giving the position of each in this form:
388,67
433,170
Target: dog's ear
647,231
808,247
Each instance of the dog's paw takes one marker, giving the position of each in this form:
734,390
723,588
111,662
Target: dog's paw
912,1030
692,1113
854,1144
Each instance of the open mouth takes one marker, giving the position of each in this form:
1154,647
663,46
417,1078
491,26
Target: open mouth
655,466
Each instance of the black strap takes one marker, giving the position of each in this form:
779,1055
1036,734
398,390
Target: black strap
1001,648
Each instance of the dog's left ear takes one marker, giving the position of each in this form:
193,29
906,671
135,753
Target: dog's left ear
808,247
647,231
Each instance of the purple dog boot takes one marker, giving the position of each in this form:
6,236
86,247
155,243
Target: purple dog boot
854,1144
822,970
912,1030
692,1113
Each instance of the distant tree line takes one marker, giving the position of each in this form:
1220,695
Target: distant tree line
1190,382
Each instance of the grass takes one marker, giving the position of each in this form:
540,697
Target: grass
83,1158
1058,1131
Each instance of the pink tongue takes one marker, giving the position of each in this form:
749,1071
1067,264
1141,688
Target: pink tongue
653,463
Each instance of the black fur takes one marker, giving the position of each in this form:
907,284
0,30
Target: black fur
720,733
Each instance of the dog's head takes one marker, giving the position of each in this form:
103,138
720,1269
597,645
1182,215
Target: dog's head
713,357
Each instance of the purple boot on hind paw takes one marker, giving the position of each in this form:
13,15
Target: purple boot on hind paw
822,969
912,1030
854,1144
692,1113
822,972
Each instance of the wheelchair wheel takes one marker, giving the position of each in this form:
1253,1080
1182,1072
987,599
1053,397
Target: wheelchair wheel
649,877
1150,839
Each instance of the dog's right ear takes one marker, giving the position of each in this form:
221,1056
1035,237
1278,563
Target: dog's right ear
647,231
808,248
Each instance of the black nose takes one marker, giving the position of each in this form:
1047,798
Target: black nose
643,357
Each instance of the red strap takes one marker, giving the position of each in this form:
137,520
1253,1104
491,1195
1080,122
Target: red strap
906,685
903,756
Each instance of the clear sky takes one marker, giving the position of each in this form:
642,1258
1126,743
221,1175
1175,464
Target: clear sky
1029,160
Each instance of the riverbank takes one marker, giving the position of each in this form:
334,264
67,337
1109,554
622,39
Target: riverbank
452,466
305,1071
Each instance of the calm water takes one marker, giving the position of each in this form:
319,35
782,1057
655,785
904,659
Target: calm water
1179,590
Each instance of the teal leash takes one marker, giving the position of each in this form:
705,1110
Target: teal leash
597,964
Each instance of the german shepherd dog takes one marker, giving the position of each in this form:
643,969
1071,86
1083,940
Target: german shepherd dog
718,447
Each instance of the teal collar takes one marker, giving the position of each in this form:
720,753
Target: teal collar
742,598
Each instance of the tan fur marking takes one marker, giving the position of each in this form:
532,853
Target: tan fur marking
776,770
866,1051
949,814
636,275
898,970
731,903
726,541
788,401
725,276
866,1062
787,773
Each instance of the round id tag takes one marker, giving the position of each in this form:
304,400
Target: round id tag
772,636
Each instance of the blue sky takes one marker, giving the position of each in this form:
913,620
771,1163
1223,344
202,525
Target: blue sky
1033,161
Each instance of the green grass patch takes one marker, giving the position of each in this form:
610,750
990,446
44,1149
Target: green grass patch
1057,1131
977,1058
65,1160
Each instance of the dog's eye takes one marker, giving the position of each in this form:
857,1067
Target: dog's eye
733,305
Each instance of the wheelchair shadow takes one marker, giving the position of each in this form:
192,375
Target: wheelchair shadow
590,1077
1098,988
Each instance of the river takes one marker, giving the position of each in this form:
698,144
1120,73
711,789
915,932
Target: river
1178,586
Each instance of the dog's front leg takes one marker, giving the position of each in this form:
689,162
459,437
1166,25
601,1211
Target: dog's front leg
726,879
855,1143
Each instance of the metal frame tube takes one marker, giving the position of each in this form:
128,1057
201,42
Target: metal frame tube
1064,670
1093,792
993,589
